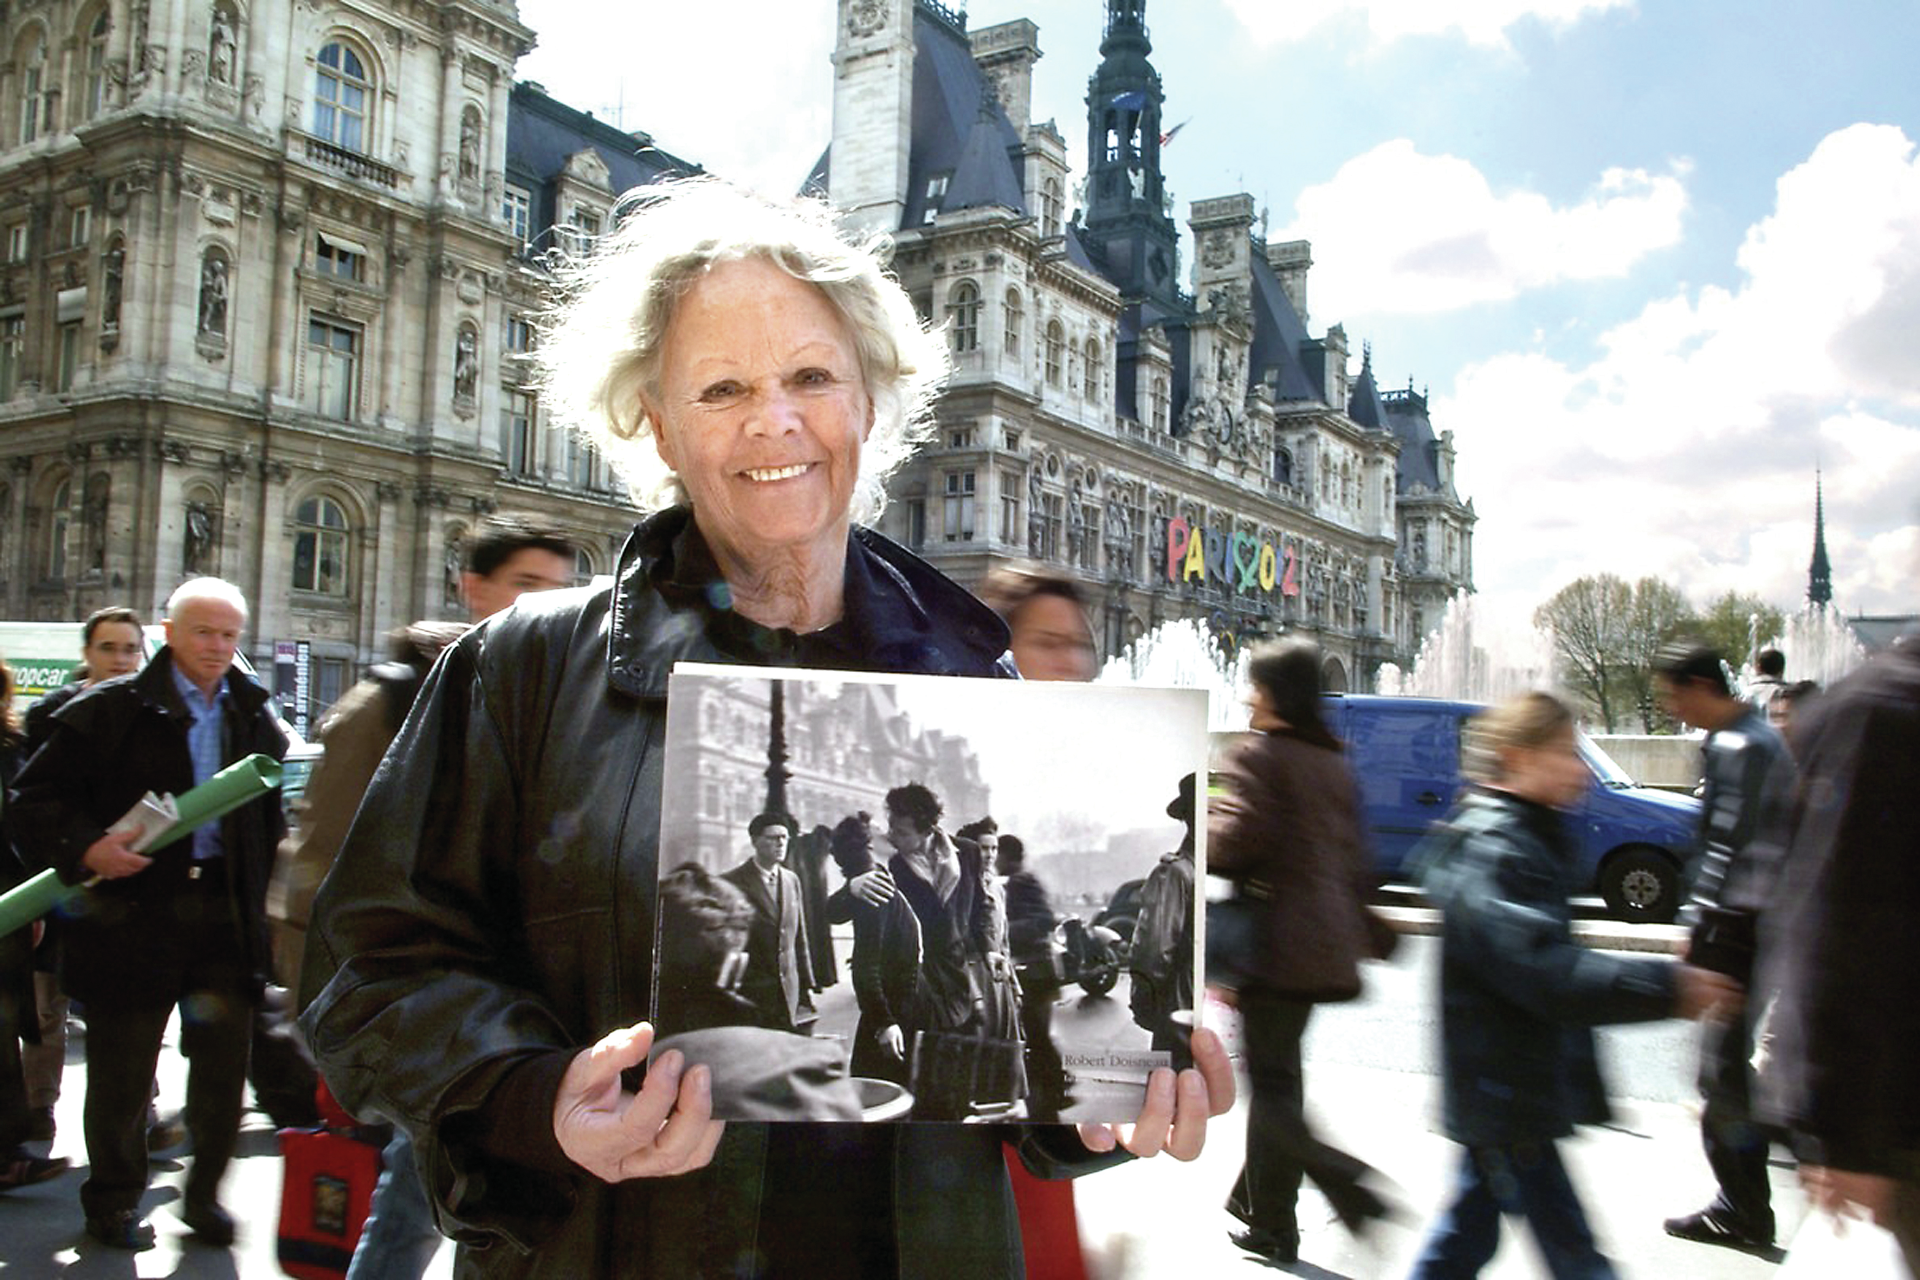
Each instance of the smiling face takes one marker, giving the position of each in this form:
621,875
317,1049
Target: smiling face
762,411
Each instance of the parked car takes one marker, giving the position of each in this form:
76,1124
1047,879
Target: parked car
1633,840
1123,909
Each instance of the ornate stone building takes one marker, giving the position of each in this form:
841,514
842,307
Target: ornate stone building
1185,452
264,282
268,271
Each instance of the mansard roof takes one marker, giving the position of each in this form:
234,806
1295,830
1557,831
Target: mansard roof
1363,402
543,134
1419,463
959,128
1279,338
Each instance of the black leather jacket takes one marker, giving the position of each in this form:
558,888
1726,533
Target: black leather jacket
494,905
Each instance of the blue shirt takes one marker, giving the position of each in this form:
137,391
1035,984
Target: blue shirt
206,744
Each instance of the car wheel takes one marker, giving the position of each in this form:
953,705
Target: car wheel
1101,980
1641,886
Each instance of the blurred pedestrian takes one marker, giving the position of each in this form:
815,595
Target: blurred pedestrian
1747,774
1518,994
1046,614
1843,949
1289,820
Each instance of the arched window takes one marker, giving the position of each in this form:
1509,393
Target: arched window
1012,317
94,100
1282,465
33,71
1160,404
963,317
340,94
320,547
1050,208
1093,369
582,567
59,520
1056,351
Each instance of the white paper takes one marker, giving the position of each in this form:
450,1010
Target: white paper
150,817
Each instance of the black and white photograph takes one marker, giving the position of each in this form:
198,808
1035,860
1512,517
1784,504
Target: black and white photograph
926,898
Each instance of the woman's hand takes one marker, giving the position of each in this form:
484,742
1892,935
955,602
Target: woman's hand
1174,1117
614,1135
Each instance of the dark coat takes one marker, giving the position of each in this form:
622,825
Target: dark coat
38,721
1517,993
1289,818
109,746
886,983
779,966
459,938
1841,943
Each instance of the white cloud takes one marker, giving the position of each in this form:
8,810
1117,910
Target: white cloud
1479,22
1686,447
1398,231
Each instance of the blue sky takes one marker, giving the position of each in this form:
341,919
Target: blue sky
1651,260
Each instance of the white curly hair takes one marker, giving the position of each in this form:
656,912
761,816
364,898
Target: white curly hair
603,341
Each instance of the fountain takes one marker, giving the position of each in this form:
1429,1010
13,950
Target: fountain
1468,657
1819,645
1182,654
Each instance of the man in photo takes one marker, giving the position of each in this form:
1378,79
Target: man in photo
779,971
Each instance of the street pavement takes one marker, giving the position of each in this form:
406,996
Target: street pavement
1369,1089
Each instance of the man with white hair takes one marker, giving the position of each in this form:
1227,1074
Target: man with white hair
184,928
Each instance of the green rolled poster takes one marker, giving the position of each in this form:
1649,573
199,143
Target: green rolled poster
225,791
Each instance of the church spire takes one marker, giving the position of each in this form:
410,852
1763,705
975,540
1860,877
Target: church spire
1126,215
1819,573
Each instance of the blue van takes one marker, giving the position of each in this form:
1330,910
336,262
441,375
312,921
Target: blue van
1633,840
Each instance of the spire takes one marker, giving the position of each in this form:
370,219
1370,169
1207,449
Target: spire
1819,573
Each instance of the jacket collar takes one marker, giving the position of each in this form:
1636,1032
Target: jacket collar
671,605
154,684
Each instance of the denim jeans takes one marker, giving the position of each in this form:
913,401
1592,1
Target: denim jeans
400,1239
1526,1180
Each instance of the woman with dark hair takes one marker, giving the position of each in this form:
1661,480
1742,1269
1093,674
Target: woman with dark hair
1289,822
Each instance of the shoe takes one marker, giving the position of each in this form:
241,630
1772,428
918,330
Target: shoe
165,1134
1278,1248
1707,1227
121,1229
23,1169
40,1125
208,1221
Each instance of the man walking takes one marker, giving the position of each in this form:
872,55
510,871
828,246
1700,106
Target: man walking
779,970
184,928
1741,755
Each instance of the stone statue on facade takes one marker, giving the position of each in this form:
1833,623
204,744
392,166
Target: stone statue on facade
466,364
454,561
220,49
213,296
1119,539
197,556
1036,518
470,146
113,266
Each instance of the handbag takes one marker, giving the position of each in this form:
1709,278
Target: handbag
1237,935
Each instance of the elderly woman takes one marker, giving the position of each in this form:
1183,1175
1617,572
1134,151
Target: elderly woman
481,961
